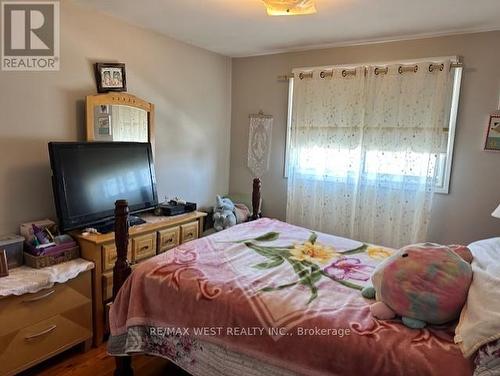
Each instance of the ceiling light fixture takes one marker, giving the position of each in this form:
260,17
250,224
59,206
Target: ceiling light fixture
289,7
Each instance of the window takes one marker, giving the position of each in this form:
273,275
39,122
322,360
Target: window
316,162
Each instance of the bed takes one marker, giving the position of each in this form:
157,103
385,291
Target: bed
267,298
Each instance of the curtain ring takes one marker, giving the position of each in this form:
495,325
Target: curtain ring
434,66
303,75
402,69
326,73
379,70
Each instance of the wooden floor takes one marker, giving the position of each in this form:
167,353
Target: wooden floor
96,362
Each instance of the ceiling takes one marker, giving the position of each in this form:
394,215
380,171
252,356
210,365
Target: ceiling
242,27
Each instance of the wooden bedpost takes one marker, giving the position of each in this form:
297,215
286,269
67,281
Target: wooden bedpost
121,271
256,198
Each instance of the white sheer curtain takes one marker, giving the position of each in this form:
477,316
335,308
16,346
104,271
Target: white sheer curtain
363,151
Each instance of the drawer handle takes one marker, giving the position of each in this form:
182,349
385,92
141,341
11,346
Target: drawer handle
40,297
190,234
144,248
43,332
168,241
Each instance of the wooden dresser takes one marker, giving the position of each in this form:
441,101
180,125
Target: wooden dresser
157,235
35,327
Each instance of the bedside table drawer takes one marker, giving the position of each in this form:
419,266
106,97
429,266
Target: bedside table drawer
17,312
109,256
143,247
37,342
189,232
168,239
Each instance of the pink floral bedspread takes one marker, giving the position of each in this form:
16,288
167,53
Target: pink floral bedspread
281,294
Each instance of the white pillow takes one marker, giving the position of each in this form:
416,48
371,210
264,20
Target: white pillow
480,318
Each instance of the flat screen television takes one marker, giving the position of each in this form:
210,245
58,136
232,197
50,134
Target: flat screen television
88,177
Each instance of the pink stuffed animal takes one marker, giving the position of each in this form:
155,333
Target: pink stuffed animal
422,283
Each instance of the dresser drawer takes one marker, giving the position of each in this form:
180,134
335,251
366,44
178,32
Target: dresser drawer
107,284
109,255
189,232
23,348
143,247
18,312
168,239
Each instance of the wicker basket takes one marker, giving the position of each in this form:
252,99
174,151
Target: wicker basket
39,262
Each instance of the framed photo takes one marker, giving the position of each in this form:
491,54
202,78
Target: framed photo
110,77
104,125
104,109
4,266
493,134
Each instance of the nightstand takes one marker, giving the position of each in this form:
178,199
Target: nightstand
35,326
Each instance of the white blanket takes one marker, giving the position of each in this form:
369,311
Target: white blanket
480,317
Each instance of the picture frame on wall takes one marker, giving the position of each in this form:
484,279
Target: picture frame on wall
110,77
492,142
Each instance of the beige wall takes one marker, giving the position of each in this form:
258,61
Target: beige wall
461,216
189,86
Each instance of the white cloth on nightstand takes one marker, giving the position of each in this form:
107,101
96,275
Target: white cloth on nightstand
23,280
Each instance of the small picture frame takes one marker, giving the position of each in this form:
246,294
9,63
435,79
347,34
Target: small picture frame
4,266
492,142
110,77
104,109
104,125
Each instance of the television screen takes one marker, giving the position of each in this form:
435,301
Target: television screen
89,177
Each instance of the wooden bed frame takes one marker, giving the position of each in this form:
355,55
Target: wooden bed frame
122,269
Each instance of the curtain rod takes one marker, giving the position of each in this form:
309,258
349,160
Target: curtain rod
378,70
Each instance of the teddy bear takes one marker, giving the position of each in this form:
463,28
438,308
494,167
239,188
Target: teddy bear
423,283
224,215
